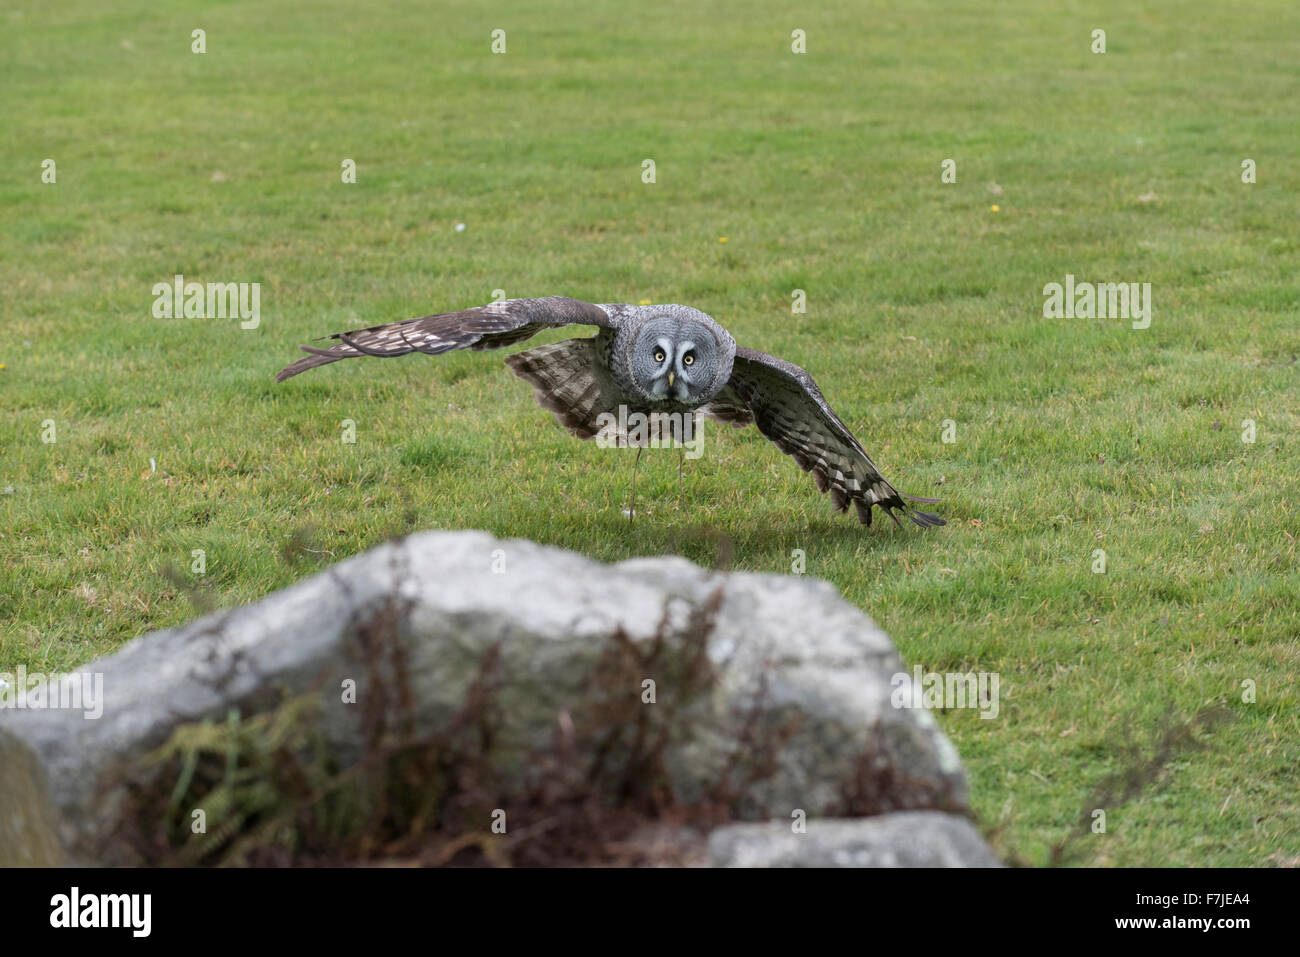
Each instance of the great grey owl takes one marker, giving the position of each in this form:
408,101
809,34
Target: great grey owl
647,360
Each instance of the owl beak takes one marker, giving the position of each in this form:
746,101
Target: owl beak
671,377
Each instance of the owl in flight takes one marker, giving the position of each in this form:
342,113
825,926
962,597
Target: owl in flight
648,359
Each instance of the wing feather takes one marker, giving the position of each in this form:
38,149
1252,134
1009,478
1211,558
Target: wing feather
493,326
790,410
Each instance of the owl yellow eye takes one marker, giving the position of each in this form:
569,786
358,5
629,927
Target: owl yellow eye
659,356
688,359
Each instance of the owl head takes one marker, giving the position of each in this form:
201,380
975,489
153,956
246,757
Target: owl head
679,354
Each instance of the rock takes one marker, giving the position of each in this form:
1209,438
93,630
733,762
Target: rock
797,696
903,839
27,832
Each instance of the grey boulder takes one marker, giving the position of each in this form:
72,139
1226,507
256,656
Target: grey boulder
415,618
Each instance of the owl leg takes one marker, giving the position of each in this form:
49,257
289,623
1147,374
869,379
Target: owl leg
631,512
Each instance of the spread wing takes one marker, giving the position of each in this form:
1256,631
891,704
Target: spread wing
492,326
788,408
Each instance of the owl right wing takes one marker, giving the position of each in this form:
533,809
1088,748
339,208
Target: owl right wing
492,326
786,405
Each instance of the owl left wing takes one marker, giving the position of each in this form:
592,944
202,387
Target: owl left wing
493,326
789,409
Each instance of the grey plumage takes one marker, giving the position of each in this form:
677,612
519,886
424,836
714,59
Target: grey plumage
571,380
665,358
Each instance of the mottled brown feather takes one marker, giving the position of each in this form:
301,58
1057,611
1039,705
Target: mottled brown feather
789,409
493,326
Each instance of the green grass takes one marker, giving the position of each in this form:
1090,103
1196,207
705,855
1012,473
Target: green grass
823,173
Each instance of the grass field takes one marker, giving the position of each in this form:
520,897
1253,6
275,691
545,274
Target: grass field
774,172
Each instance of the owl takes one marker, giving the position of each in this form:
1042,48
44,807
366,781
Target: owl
667,363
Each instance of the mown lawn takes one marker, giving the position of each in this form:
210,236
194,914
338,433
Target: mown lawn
822,172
